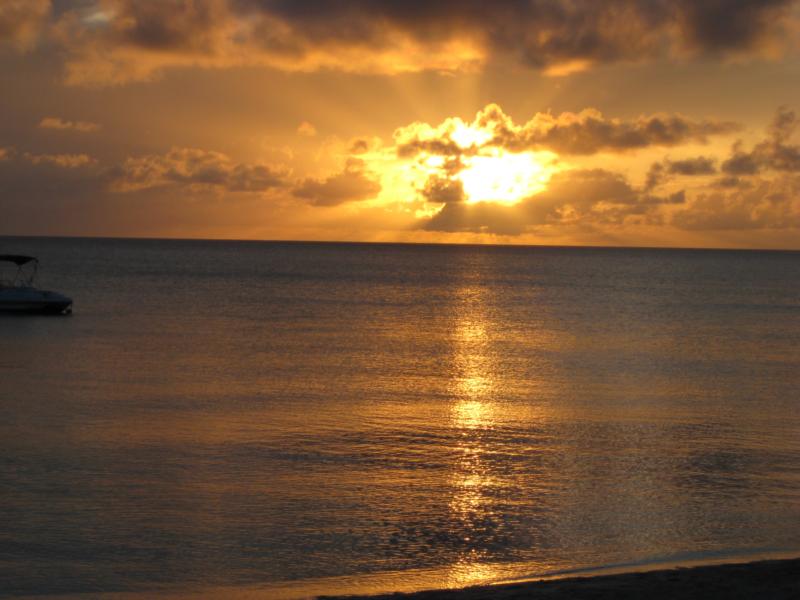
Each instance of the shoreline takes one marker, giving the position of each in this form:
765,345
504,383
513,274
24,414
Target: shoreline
777,579
767,578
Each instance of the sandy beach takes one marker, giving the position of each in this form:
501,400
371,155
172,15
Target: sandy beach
766,580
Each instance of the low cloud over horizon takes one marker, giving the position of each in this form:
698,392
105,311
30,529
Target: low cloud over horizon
764,193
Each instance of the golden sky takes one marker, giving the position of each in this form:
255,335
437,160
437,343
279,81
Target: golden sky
623,122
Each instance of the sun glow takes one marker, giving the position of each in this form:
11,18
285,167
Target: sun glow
505,177
466,136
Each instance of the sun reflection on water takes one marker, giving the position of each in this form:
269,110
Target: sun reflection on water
469,570
473,416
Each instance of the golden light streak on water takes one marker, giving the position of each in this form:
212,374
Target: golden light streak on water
472,415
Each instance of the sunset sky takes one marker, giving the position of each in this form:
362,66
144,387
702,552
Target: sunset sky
622,122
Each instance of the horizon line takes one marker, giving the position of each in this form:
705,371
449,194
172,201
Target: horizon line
388,243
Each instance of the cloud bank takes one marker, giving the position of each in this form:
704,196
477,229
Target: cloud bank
775,153
753,188
192,167
353,184
583,133
667,169
760,187
116,41
576,198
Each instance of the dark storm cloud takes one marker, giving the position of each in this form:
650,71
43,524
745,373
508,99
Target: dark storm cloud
540,32
585,197
135,39
354,183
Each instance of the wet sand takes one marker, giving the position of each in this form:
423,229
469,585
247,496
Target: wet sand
767,580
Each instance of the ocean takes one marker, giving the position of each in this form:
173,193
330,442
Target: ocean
285,419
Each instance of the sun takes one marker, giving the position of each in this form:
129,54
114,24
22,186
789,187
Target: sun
495,175
460,162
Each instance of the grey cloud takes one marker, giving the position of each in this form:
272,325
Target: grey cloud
194,167
143,37
359,146
721,26
168,25
589,132
443,190
354,183
700,165
594,195
744,199
541,33
46,199
584,133
741,163
254,178
762,205
484,217
784,124
775,153
666,169
363,145
587,197
730,181
441,147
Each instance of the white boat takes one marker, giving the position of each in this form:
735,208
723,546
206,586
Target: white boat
18,294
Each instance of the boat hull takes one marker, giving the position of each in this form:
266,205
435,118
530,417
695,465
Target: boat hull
33,301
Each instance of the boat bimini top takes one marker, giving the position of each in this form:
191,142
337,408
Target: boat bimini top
27,266
19,295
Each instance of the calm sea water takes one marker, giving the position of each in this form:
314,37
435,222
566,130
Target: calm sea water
301,418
